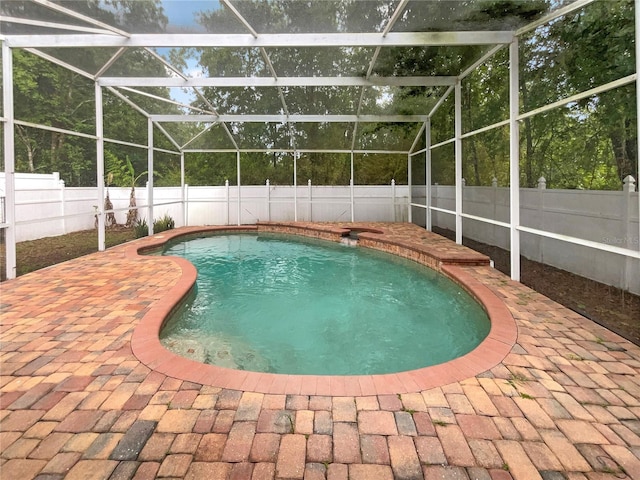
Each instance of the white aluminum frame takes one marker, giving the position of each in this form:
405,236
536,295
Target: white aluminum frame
98,34
266,40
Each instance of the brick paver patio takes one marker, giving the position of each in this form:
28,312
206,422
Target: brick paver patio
76,403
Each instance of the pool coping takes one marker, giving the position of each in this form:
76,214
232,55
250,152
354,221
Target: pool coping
146,346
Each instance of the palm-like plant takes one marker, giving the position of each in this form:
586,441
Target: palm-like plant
124,174
132,214
110,218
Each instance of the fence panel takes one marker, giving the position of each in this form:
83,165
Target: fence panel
45,207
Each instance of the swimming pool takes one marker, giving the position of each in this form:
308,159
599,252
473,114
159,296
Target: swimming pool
281,304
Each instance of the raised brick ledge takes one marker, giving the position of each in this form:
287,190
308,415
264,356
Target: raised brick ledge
145,342
378,237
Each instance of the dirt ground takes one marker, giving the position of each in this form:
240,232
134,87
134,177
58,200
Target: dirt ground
36,254
611,307
617,310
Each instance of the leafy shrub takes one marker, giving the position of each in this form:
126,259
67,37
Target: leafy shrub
141,228
164,223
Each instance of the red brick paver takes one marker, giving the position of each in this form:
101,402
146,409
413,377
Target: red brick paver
85,393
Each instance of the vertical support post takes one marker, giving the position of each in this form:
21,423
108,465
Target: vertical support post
514,158
182,190
310,200
227,193
458,160
186,204
268,200
637,16
150,176
9,161
100,165
239,186
541,241
427,170
63,209
352,189
628,187
494,212
409,184
393,199
295,185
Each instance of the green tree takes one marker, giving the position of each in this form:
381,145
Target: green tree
47,94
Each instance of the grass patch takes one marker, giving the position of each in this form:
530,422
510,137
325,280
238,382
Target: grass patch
36,254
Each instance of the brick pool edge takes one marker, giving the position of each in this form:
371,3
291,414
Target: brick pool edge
438,254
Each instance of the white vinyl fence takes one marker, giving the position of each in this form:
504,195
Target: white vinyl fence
45,207
609,217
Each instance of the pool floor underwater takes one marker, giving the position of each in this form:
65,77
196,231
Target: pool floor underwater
75,402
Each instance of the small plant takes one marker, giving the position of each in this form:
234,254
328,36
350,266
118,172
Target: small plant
505,467
164,223
577,358
519,378
141,228
439,423
526,396
516,378
292,428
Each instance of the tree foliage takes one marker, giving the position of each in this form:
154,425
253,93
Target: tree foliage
591,143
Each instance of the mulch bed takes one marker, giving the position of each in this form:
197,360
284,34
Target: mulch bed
615,309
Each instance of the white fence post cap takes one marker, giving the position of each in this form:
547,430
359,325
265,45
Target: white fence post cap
542,183
629,184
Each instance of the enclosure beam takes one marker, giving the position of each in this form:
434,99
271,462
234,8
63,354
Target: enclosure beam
110,62
277,40
53,25
238,207
416,140
409,183
290,150
514,158
427,168
295,185
182,191
202,132
169,137
227,82
167,100
150,176
352,191
458,160
440,101
571,7
79,16
291,118
9,161
100,166
57,61
471,68
637,32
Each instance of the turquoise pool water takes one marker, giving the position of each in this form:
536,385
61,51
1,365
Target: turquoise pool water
285,304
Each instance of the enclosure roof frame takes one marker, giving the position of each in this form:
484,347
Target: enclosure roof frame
87,32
